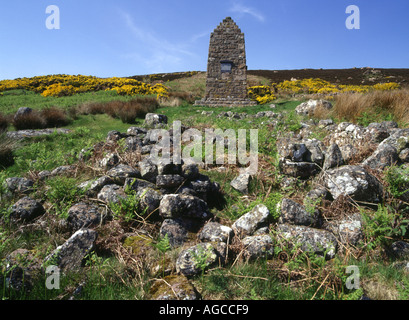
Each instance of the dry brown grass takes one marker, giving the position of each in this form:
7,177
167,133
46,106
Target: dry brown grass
4,123
54,117
351,106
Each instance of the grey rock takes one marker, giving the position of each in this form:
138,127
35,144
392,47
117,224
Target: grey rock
136,184
384,156
347,231
169,181
315,152
92,187
354,181
179,205
188,261
294,213
84,215
133,143
399,250
308,108
149,200
174,287
215,232
111,193
190,171
179,230
23,111
302,170
153,120
69,256
247,224
121,172
333,158
404,155
241,183
320,242
136,131
63,170
21,270
20,185
109,161
325,123
316,196
113,136
260,246
148,170
26,210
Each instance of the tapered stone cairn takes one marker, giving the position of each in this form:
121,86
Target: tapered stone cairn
226,83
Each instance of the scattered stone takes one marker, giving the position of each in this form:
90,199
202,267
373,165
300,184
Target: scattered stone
109,161
302,170
121,172
192,259
26,210
190,171
136,131
384,156
404,155
114,136
354,181
247,224
62,170
325,123
399,250
347,231
149,200
174,287
215,232
241,183
320,242
333,157
92,187
260,246
111,193
22,269
20,185
133,144
84,215
148,170
137,184
169,181
294,213
308,108
153,120
316,196
69,256
186,206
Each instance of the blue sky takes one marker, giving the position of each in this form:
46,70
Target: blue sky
132,37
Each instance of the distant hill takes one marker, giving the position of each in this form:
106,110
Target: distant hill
355,76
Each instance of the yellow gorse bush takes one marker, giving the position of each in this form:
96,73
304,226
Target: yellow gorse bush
316,85
261,94
66,85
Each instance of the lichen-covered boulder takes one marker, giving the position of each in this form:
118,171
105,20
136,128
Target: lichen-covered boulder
26,210
169,181
149,200
215,232
153,120
69,256
173,287
348,231
294,213
355,182
320,242
308,108
84,215
384,156
333,158
20,185
193,260
241,183
92,187
111,193
186,206
121,172
260,246
247,224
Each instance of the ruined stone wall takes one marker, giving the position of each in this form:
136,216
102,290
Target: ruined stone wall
227,46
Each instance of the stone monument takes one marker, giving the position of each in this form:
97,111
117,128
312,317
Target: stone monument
226,83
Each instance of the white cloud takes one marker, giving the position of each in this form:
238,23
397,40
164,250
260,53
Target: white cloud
157,54
240,8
